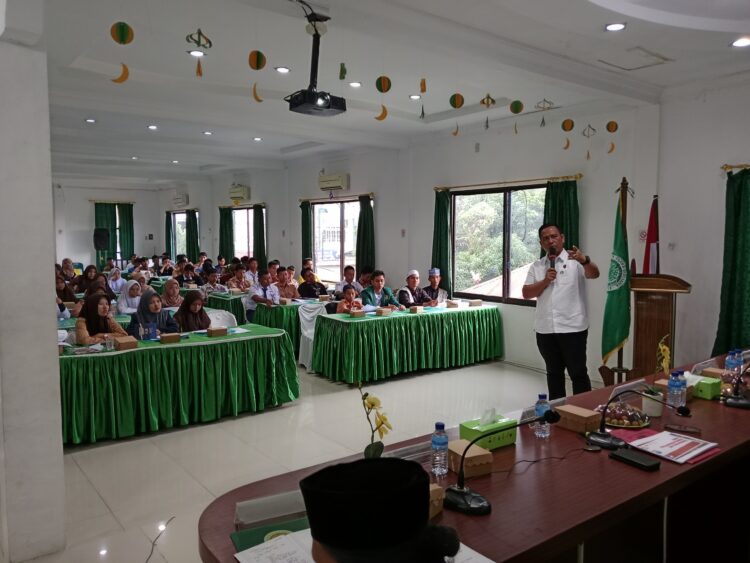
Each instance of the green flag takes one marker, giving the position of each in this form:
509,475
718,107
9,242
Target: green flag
617,310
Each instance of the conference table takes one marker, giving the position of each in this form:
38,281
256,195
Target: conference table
554,502
282,316
117,394
370,348
233,303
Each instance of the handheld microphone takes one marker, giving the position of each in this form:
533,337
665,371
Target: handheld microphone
460,498
552,255
608,442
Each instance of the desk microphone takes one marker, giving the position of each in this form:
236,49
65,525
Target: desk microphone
737,400
605,440
462,499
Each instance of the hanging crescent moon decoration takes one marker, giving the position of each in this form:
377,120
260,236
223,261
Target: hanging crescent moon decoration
611,148
383,113
124,74
256,96
455,131
567,144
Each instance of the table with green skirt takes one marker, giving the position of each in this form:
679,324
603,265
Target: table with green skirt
370,348
229,302
281,316
111,395
70,323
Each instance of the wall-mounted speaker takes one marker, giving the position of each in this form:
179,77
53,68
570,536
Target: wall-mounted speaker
101,239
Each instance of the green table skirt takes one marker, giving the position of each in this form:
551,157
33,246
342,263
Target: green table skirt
233,304
373,348
282,316
121,394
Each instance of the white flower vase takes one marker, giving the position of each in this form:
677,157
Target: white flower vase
652,408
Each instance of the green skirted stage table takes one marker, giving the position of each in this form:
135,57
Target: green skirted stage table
370,348
281,316
111,395
232,303
70,324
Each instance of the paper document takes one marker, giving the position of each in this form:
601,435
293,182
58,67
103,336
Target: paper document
673,447
237,330
369,308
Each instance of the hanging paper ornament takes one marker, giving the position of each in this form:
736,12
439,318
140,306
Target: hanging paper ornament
516,107
544,105
611,148
121,33
383,84
199,69
612,126
421,115
588,132
124,74
567,125
515,128
200,43
566,146
256,60
488,101
486,123
455,131
588,155
256,97
543,123
383,113
423,86
457,101
342,71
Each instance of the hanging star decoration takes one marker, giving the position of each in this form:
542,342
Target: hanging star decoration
544,105
588,132
201,44
488,101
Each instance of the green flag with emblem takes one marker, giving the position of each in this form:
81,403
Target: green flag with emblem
617,309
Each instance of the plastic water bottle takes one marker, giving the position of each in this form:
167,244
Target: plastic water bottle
439,450
683,388
541,429
674,389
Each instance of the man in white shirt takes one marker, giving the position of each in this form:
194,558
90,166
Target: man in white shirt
349,273
264,294
561,322
251,274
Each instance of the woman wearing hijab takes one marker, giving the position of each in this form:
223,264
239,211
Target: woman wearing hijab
115,282
99,285
130,296
83,281
150,312
191,315
64,293
68,272
95,322
172,297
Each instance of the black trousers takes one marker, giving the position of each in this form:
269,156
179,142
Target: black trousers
560,351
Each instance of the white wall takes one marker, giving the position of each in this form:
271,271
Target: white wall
701,129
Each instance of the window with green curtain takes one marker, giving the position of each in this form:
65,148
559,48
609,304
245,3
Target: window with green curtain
168,238
365,235
561,208
105,217
259,237
734,317
441,239
307,230
193,246
226,233
127,239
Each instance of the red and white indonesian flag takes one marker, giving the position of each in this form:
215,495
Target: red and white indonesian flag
651,255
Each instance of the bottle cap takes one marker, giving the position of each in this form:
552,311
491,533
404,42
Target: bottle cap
439,426
542,396
675,374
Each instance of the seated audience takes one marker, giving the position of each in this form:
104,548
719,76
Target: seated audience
239,281
171,297
166,268
116,283
349,273
109,265
58,270
212,284
64,292
130,296
251,273
141,279
154,264
191,315
62,310
82,282
396,493
379,295
99,285
273,267
307,264
179,265
311,289
151,314
202,257
68,272
95,322
434,290
291,271
262,294
134,263
364,277
189,276
348,304
221,263
412,294
286,289
142,268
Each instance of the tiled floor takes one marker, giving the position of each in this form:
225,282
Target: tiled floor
119,493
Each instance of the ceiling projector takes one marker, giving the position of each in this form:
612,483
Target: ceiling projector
309,101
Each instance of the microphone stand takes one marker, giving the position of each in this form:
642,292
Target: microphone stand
737,400
605,440
460,498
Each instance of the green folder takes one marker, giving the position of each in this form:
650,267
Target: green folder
245,539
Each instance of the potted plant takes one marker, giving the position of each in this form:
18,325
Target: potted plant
649,407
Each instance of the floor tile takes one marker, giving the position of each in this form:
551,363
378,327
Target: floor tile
121,547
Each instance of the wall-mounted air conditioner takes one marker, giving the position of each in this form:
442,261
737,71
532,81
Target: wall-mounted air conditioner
239,193
330,182
180,200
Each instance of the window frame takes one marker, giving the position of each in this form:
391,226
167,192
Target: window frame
250,226
342,232
174,226
506,191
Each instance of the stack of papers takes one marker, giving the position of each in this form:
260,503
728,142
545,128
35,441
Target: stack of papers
673,447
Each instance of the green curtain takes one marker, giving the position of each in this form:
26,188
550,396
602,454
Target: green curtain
441,240
307,227
192,246
105,217
168,238
127,242
259,236
734,315
226,233
365,235
561,208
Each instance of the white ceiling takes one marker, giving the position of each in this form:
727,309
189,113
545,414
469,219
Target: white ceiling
512,49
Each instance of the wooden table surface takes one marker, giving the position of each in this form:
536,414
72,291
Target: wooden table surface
538,508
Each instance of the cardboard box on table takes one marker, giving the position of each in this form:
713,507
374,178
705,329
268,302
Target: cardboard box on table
478,461
578,419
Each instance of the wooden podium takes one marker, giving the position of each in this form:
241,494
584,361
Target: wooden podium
655,307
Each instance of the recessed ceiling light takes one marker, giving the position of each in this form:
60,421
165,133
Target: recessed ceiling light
741,42
153,127
208,133
257,139
196,53
102,552
415,97
614,26
90,120
175,162
133,158
355,84
282,69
